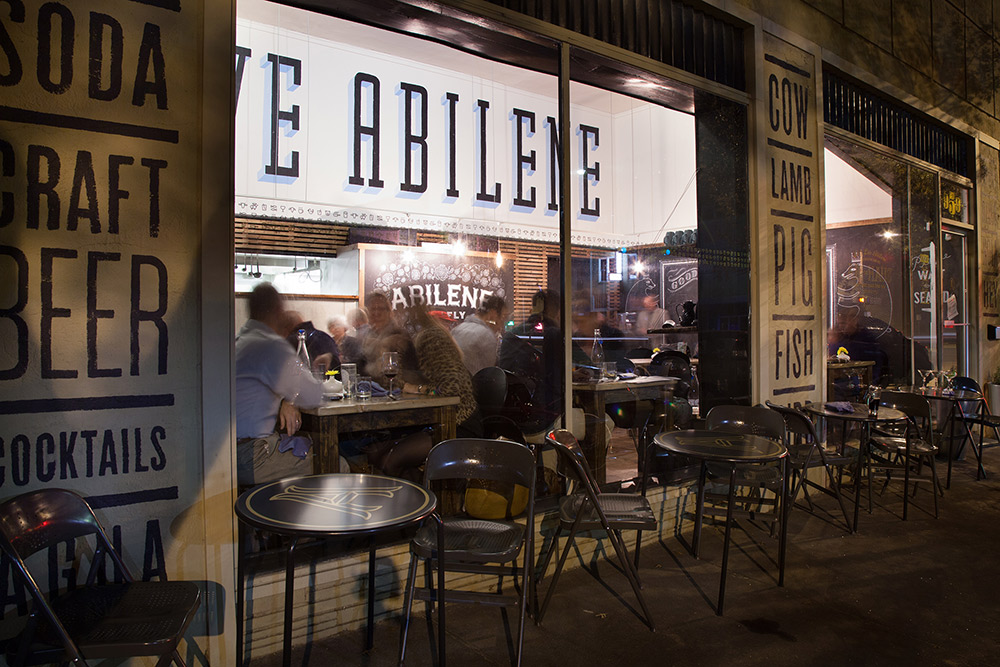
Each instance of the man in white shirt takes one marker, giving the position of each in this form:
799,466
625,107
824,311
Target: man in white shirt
270,389
478,335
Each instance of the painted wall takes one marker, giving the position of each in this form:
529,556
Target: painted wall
111,234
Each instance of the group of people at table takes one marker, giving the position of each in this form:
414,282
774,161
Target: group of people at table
436,356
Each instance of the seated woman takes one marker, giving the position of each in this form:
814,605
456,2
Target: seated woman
442,373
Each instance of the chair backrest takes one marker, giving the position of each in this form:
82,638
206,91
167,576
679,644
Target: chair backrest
961,382
756,420
40,519
964,383
915,407
570,452
796,422
500,427
500,461
489,386
672,363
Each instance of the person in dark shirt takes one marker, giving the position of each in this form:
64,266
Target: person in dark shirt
320,345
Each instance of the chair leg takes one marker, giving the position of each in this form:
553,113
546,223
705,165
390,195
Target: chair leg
699,510
411,581
555,575
935,483
526,579
548,554
906,478
633,576
725,544
167,658
784,507
835,486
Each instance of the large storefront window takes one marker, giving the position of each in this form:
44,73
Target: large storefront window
897,280
440,172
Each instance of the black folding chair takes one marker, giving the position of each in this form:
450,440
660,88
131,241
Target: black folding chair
972,413
94,620
457,541
805,453
589,509
754,477
906,447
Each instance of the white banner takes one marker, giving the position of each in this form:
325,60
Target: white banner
342,122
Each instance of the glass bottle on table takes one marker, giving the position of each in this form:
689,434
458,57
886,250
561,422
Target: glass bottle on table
302,353
597,353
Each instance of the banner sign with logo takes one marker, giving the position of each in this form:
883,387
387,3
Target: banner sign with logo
438,280
341,122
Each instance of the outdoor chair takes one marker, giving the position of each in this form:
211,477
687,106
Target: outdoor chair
905,447
805,453
756,478
588,509
93,620
456,541
976,412
671,363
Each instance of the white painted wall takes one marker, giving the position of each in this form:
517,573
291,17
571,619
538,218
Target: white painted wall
850,196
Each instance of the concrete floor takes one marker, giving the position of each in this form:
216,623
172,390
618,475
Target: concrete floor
920,592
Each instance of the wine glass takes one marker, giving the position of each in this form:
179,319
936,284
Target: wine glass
924,375
390,368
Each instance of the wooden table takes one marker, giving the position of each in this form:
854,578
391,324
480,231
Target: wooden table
326,506
733,449
594,397
327,422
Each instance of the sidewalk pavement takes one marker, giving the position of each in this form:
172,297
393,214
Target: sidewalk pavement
919,592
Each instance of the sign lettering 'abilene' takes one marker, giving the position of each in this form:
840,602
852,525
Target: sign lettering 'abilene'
416,141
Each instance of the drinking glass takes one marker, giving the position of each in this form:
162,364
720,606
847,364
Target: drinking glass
364,388
349,378
609,371
390,367
924,377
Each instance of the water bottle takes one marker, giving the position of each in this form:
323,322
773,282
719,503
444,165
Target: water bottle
302,353
597,354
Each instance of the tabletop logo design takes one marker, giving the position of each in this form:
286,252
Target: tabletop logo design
340,501
729,441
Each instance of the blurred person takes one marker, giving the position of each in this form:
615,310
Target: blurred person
338,326
348,346
478,336
357,318
446,320
651,317
586,321
533,351
270,389
385,335
441,373
321,346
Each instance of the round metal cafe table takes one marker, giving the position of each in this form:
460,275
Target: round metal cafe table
321,506
733,449
861,415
